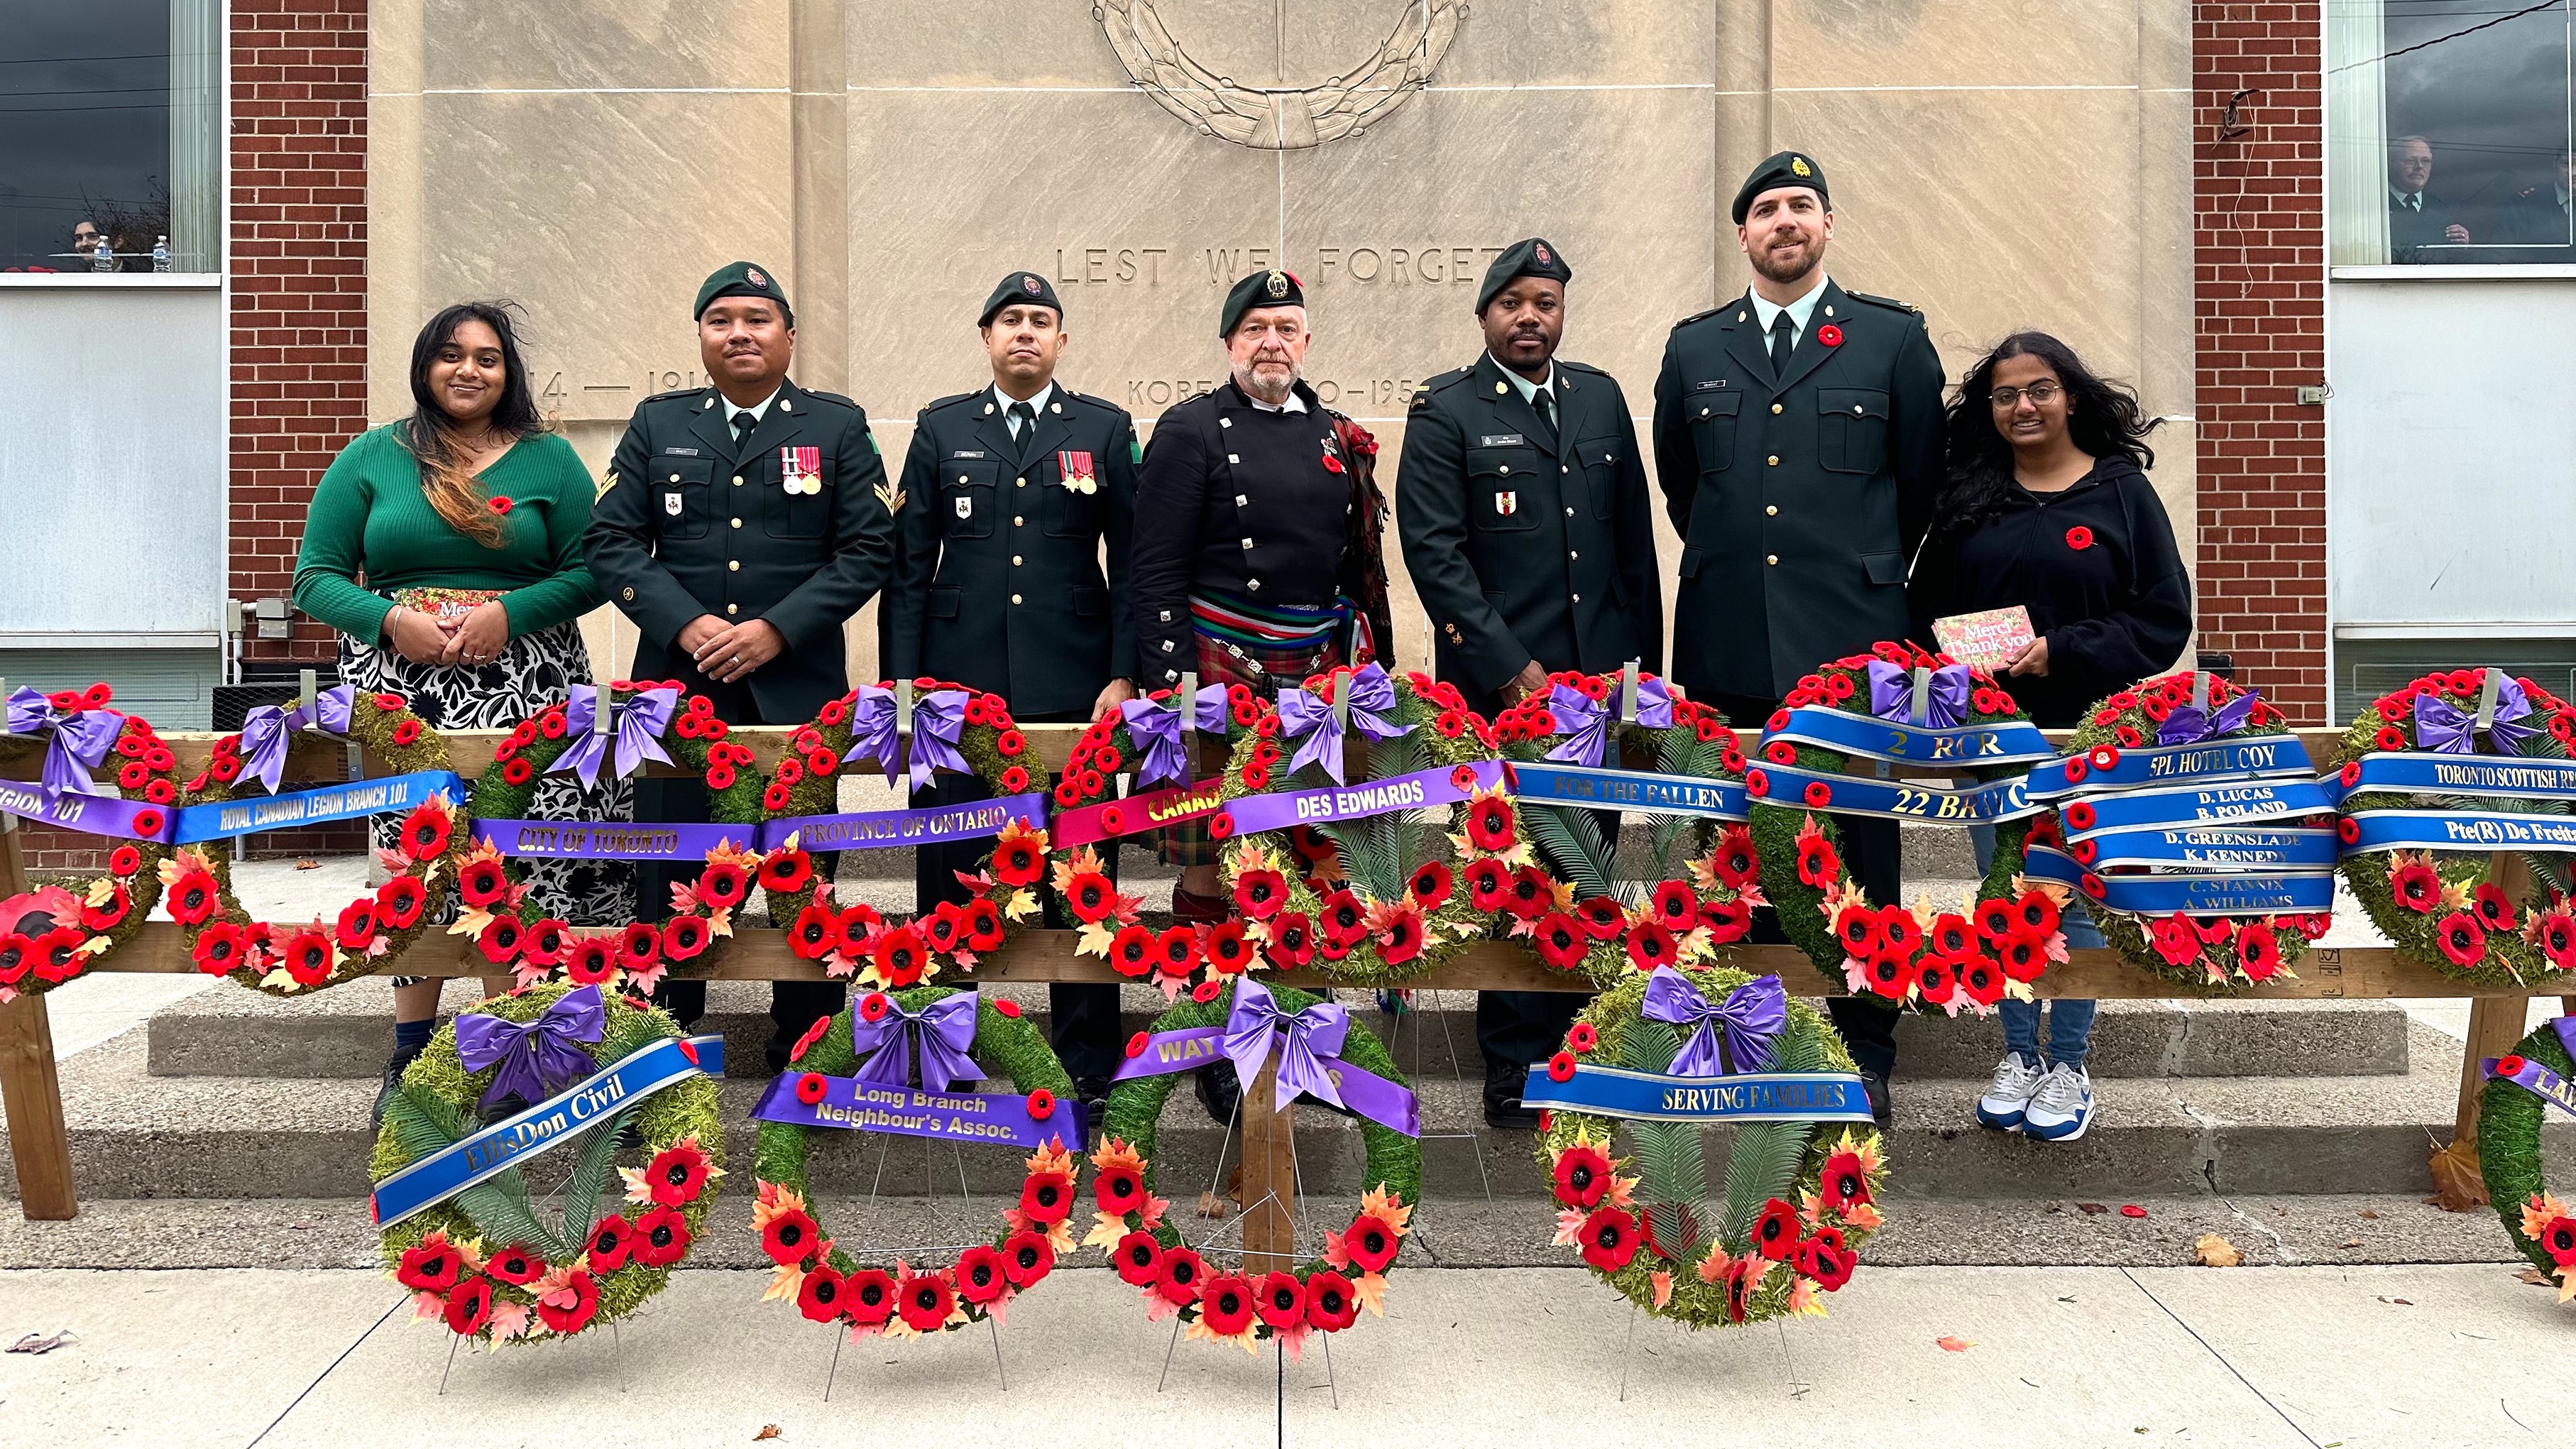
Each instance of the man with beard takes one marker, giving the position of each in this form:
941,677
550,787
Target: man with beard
1257,558
1798,445
740,524
1526,522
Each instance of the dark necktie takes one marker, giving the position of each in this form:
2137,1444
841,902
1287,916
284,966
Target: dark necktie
1545,402
1783,338
743,422
1024,425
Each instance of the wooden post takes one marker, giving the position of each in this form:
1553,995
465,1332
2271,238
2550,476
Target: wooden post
2495,1024
1269,1178
30,1091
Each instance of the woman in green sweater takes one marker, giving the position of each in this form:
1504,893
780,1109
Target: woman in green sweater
446,550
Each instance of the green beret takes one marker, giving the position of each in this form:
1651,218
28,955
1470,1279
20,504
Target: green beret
1784,170
1020,289
1531,257
742,279
1260,289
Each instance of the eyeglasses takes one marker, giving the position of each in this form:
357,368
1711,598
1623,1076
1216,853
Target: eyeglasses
2041,394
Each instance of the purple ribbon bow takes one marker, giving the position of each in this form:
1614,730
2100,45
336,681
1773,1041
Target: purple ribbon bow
2188,725
1156,729
1891,694
1752,1016
938,718
1310,722
536,1058
81,740
1306,1039
1585,721
2440,725
640,722
269,731
941,1031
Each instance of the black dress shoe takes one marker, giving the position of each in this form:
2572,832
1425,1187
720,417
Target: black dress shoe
1220,1092
1503,1108
395,1066
1876,1087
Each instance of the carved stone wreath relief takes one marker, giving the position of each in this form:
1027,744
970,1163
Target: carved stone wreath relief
1274,118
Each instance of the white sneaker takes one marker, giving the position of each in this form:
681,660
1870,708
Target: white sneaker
2062,1107
2005,1101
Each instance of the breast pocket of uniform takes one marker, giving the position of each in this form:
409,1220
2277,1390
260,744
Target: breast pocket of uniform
805,513
1712,419
1502,489
1851,429
1594,464
967,490
1070,512
680,496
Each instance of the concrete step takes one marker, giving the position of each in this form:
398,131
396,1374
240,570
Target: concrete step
345,1032
135,1134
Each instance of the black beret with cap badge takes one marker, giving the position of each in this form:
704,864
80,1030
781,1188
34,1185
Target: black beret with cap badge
1026,289
1529,257
1259,289
1787,169
742,279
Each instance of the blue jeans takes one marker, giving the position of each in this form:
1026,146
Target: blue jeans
2070,1021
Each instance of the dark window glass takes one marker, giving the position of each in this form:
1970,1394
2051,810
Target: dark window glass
109,111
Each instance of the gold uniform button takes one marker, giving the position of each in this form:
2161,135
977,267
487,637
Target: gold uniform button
733,608
1775,407
1015,520
1772,559
1015,560
737,480
1572,554
630,596
737,523
1507,467
962,478
675,477
1772,511
1020,482
1578,598
733,565
1015,598
1569,513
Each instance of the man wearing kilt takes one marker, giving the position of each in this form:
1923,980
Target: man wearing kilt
1257,558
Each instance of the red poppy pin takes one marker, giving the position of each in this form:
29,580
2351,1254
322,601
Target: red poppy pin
2079,537
1830,335
500,505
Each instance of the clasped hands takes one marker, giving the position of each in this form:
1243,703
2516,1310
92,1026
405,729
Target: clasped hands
476,639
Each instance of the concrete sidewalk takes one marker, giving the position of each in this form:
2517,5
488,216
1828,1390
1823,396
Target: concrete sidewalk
2305,1358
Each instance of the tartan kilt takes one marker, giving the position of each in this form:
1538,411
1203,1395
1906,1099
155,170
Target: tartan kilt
1265,672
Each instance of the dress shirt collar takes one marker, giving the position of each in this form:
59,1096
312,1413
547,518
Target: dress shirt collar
1764,310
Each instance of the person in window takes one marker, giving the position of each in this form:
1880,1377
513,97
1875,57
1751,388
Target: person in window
2416,218
446,550
86,238
2045,504
2544,215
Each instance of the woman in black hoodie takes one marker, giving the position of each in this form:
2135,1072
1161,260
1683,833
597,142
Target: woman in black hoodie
2046,504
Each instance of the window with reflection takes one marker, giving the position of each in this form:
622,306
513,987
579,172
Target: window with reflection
2449,126
113,161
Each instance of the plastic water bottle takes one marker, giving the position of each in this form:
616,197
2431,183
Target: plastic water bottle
104,259
161,255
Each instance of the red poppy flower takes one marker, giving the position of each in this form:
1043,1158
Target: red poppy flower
902,957
1843,1182
1757,784
1819,794
2558,1239
926,1301
498,505
1856,929
1727,921
2416,887
2258,953
2079,538
867,1297
306,958
785,872
2494,910
1829,335
590,962
661,1237
2078,815
1132,951
1936,978
1951,935
193,898
1609,1239
2036,913
1979,978
1257,893
611,1239
984,927
219,949
501,939
2023,956
425,833
684,937
1040,1104
1226,1305
1560,1068
1889,975
943,927
1825,1259
811,1088
469,1306
1370,1243
1582,1176
1775,1232
1176,951
1561,941
430,1267
677,1173
2462,939
1430,885
1026,1258
1181,1277
723,885
1818,865
107,914
124,860
980,1276
1675,906
1488,884
1401,939
481,882
1995,920
1601,918
1014,780
1046,1197
1138,1258
1530,893
2510,1065
1018,861
1331,1305
1650,946
517,1263
2555,934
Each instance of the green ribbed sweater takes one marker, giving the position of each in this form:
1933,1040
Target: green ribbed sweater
369,518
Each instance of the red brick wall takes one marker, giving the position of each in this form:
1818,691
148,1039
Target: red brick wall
2258,293
299,298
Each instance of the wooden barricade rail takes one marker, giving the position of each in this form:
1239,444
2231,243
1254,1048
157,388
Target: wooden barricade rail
40,1143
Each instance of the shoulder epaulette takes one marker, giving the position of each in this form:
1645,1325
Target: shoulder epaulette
1084,397
954,398
1573,366
1695,316
848,402
1889,303
689,392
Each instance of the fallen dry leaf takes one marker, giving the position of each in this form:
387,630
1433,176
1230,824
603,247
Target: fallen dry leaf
2132,1210
308,865
42,1343
2215,1251
2536,1278
2091,1209
767,1431
1950,1343
1213,1206
2458,1187
2349,1243
2373,1216
2401,1302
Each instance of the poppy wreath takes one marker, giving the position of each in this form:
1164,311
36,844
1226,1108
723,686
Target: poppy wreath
483,1262
492,890
362,938
2205,951
1376,901
1324,1294
898,1298
52,933
1953,961
2541,1224
1610,934
1797,1202
2459,912
1183,955
855,941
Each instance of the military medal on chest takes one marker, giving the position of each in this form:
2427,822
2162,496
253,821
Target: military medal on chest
1075,472
1332,459
800,470
1507,503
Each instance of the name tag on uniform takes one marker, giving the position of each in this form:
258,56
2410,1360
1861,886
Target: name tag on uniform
1708,386
1507,504
976,454
680,452
1502,440
1075,472
800,470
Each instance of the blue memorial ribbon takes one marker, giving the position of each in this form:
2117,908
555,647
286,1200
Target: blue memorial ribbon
2504,776
356,800
551,1123
2240,894
2216,849
2245,802
857,1106
1637,790
2262,758
1857,795
1657,1097
2004,742
2471,830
